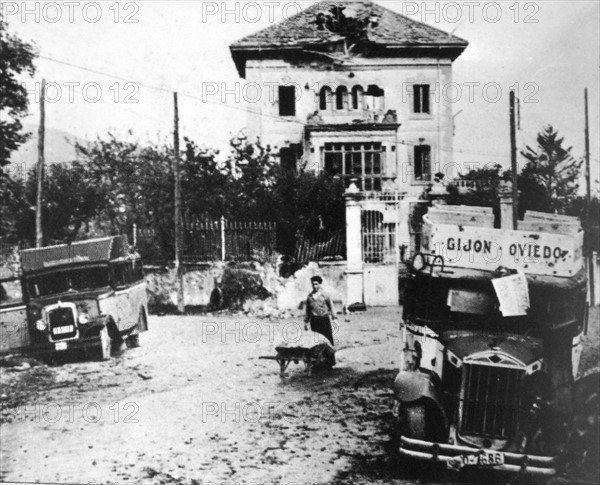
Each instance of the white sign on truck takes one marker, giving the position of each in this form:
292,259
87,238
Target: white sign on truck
486,248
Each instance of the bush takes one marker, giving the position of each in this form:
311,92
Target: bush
240,285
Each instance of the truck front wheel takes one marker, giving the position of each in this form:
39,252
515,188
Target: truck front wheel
412,421
105,345
133,339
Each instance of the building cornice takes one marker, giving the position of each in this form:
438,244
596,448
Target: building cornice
349,127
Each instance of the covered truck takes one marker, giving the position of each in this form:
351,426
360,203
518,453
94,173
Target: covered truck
491,335
88,295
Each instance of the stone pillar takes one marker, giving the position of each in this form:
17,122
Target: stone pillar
354,271
403,231
506,205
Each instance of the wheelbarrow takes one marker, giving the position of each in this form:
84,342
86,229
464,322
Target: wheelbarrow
313,350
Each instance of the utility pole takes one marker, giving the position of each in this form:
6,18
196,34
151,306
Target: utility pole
178,231
39,236
513,160
588,205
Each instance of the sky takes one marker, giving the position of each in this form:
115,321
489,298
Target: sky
112,66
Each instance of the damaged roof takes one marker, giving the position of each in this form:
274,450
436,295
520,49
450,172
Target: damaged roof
331,21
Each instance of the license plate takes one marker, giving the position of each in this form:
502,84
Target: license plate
60,346
487,458
63,330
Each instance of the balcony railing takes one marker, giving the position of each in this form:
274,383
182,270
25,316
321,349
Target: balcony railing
385,196
357,117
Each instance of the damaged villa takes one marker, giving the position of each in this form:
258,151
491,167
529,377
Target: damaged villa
355,96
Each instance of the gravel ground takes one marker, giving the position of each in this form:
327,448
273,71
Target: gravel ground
196,405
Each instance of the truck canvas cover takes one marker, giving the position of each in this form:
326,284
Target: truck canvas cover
92,250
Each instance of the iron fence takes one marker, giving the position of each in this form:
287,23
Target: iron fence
205,241
321,246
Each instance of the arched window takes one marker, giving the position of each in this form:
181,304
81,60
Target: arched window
357,97
341,98
325,96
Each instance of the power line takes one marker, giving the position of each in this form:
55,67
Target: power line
101,73
234,107
168,90
119,106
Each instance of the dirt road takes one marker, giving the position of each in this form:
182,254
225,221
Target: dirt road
195,404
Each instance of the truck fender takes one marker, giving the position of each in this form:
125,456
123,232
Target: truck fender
410,386
415,388
95,326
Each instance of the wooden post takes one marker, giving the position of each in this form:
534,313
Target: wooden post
134,235
223,238
39,236
588,204
513,160
178,232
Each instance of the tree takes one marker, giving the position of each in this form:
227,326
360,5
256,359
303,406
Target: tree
116,183
547,183
483,188
549,180
207,184
135,182
17,58
306,205
14,209
71,202
253,175
578,207
250,186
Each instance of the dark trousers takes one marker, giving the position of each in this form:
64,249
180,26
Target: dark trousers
322,325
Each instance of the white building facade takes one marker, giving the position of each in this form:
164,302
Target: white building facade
357,90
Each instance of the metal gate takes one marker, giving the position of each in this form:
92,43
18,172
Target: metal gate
381,254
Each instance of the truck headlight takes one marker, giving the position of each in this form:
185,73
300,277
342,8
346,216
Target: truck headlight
40,324
84,319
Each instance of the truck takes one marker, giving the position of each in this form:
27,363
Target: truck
88,295
491,332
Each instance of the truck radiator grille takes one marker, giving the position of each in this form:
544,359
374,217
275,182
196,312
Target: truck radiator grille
491,401
62,323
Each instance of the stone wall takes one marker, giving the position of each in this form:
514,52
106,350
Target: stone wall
255,288
10,264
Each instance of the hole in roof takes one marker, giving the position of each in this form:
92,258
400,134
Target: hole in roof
346,21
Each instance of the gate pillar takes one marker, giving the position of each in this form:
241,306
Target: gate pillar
403,231
354,270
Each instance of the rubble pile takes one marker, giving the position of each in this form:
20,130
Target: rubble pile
257,289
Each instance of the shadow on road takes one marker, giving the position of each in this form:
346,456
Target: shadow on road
364,398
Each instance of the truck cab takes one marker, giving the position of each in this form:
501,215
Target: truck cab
491,341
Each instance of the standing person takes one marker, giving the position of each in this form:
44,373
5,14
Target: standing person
319,308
